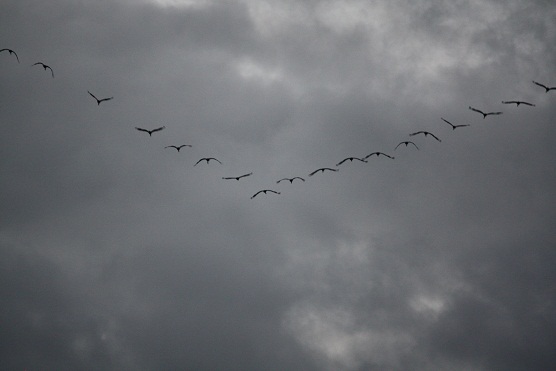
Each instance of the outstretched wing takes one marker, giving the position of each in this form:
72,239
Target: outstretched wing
92,95
476,110
158,129
539,84
141,129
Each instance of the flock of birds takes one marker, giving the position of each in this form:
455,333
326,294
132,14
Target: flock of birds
406,143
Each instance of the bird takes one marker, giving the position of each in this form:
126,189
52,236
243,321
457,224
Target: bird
45,67
407,142
207,159
426,133
454,126
485,114
378,154
518,102
264,191
151,131
179,147
99,100
237,177
290,179
323,169
11,52
351,160
545,87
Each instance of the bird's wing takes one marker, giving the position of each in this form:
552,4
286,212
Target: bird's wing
281,180
256,194
203,159
92,95
158,129
435,137
314,172
141,129
476,110
417,132
244,175
103,99
539,84
448,122
341,162
215,159
494,113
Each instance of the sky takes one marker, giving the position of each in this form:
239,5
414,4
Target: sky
117,253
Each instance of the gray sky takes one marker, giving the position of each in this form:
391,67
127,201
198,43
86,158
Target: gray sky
118,253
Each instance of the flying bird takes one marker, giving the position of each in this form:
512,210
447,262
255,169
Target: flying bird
179,147
407,142
351,160
264,191
290,179
426,133
454,126
545,87
45,67
518,102
11,52
485,114
151,131
99,100
323,169
207,159
378,154
237,177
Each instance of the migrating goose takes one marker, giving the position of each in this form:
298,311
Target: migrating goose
11,52
45,67
179,147
378,154
99,100
425,133
290,179
207,159
351,160
454,126
264,191
323,169
518,102
237,177
407,142
151,131
485,114
545,87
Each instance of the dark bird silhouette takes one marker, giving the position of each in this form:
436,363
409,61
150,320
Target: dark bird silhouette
378,154
99,100
11,52
290,179
518,102
546,88
323,169
264,191
351,160
151,131
407,142
179,147
237,177
454,126
485,114
207,159
45,67
426,133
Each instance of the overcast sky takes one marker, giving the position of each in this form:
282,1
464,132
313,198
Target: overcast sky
117,253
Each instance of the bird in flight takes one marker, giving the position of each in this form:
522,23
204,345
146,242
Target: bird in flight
323,169
264,191
207,159
237,177
151,131
11,52
99,100
378,154
179,147
407,142
426,133
545,87
45,67
485,114
454,126
518,102
290,179
351,160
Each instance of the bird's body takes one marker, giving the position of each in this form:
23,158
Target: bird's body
45,67
291,179
407,142
323,169
237,177
351,160
546,88
485,114
454,126
151,131
179,147
425,133
264,191
378,154
11,52
518,102
207,159
99,101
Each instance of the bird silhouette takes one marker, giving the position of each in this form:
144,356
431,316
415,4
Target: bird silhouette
11,52
485,114
237,177
378,154
323,169
546,88
264,191
290,179
151,131
179,147
518,102
407,142
351,160
99,100
454,126
207,159
425,133
45,67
